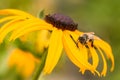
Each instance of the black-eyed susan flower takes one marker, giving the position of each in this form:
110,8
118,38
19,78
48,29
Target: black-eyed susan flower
64,35
24,62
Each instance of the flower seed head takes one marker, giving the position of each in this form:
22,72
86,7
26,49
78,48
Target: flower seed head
61,21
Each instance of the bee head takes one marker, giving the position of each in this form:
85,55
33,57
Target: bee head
82,39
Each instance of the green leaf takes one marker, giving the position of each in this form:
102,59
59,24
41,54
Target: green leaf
41,14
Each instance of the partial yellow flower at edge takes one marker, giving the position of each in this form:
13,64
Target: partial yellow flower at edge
64,34
24,62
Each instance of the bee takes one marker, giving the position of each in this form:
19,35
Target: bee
85,38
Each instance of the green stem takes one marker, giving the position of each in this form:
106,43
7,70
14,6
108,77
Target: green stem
40,67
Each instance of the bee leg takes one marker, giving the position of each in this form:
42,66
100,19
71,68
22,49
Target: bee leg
92,44
86,46
91,40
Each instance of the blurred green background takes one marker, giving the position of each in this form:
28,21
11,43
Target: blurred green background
99,16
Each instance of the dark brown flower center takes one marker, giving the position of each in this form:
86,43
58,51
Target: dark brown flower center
61,22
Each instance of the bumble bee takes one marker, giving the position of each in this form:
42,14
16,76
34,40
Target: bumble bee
85,38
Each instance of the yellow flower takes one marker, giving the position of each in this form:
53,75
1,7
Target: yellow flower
64,35
23,61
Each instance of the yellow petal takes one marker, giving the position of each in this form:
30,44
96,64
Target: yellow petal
54,51
4,30
75,34
42,40
78,32
95,58
3,33
8,18
30,27
107,49
104,71
14,12
78,56
6,25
